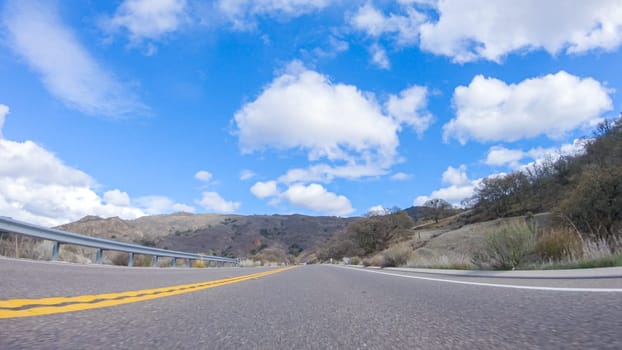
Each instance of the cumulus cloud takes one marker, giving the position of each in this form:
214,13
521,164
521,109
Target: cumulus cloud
147,19
499,155
117,197
203,175
344,132
68,71
470,30
153,205
489,109
502,156
243,13
339,124
213,201
455,176
263,190
315,197
460,187
410,108
36,186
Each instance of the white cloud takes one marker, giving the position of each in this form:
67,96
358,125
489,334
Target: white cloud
315,197
36,186
379,57
246,175
401,176
263,190
469,30
203,175
147,19
67,70
338,123
461,187
455,176
480,29
242,13
117,197
491,110
153,205
4,111
410,108
403,27
213,201
326,173
499,156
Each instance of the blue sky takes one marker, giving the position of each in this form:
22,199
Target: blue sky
321,107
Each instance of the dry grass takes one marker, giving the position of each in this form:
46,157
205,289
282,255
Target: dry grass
425,258
558,244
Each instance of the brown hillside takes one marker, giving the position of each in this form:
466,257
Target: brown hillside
229,235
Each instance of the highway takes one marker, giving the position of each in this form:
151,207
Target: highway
306,307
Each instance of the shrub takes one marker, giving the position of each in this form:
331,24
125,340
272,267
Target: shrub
377,260
560,244
507,248
199,263
396,256
355,260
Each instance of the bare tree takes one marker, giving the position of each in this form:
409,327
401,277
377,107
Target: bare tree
439,207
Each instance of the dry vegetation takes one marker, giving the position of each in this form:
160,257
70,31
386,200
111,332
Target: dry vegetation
583,193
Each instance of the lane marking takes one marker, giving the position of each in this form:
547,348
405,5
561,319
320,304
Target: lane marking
14,308
495,285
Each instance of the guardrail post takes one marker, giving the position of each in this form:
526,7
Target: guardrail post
130,259
99,256
174,262
188,263
154,261
55,249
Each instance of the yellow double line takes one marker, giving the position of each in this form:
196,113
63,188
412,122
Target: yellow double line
14,308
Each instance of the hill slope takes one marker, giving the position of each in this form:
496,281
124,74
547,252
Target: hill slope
228,235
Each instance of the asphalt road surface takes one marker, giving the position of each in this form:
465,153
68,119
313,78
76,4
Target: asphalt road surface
315,307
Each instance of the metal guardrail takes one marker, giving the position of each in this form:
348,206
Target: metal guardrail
59,237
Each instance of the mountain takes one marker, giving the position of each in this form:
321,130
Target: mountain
227,235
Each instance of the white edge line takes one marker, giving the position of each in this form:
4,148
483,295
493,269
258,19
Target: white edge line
511,286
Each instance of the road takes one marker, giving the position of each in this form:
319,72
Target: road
316,307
